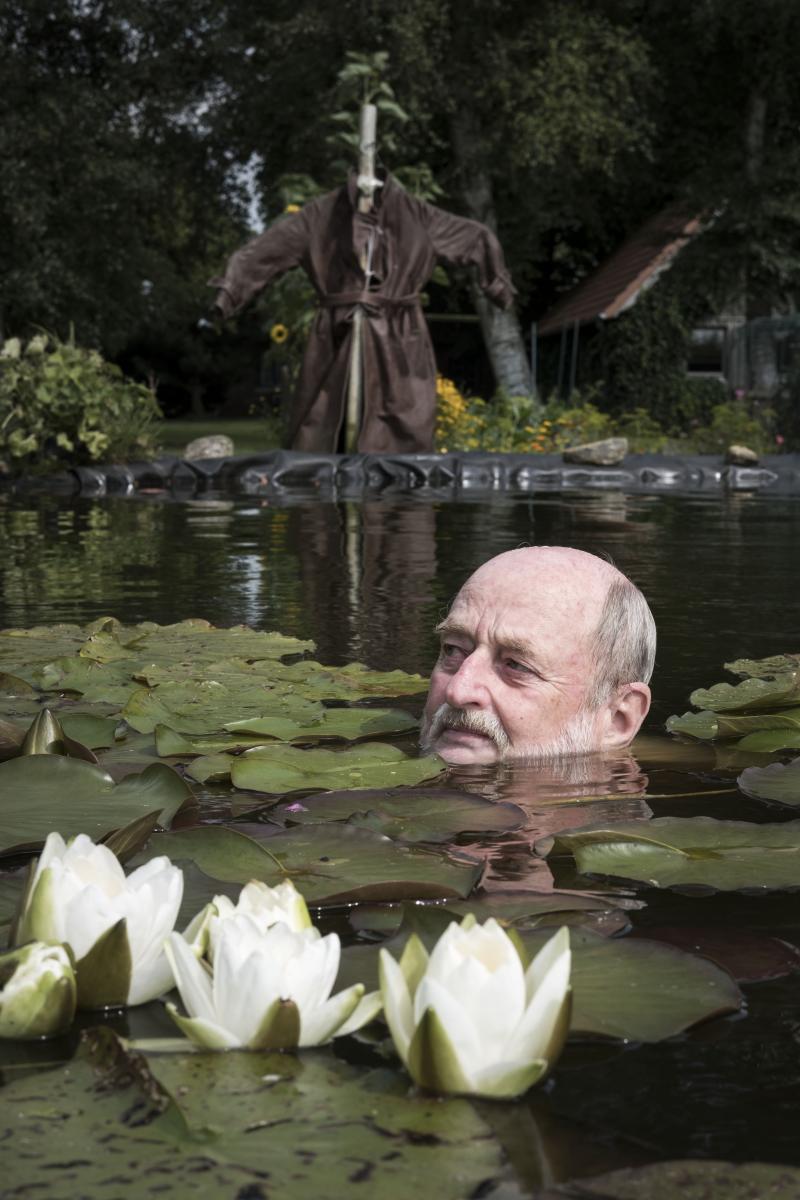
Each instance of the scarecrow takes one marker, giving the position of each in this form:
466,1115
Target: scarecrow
368,379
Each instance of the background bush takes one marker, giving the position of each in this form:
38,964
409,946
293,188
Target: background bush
59,401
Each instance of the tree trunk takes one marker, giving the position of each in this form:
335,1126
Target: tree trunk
501,329
764,376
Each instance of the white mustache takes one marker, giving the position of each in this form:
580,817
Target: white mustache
471,720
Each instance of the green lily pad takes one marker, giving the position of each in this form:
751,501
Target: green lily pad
641,990
210,768
522,911
680,852
281,769
779,782
12,736
691,1179
206,707
348,724
329,864
98,733
194,640
97,683
709,725
46,792
768,741
12,685
243,1124
781,692
764,668
21,650
353,682
411,816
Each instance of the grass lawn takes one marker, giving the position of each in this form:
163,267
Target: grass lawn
248,434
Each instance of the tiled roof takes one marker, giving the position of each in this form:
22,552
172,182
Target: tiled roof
616,284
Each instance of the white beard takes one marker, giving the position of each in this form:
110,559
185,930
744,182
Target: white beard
577,736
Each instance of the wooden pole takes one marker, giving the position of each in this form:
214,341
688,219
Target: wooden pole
368,122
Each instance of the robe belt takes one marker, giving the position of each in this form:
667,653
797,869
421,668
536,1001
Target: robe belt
372,302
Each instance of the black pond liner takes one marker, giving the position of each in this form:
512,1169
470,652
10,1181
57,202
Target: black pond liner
278,472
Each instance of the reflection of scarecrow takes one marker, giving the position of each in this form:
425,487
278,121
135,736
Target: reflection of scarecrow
367,268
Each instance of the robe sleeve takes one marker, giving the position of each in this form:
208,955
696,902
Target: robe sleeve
256,264
462,242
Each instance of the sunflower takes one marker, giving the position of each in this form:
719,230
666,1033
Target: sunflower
279,334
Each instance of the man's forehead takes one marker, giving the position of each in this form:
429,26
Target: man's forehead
520,612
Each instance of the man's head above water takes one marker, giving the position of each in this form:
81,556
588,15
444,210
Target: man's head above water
546,651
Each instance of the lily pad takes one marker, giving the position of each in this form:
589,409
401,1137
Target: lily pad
112,1122
353,682
709,725
12,735
748,957
779,782
522,911
680,852
641,990
410,815
98,733
281,769
763,668
346,724
691,1179
768,741
329,864
780,692
206,707
46,792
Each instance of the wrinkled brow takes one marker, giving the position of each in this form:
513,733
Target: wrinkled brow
450,628
512,643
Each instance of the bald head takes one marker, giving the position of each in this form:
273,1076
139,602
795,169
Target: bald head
541,640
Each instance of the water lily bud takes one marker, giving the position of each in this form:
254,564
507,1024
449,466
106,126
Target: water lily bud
115,925
264,905
37,991
470,1019
267,990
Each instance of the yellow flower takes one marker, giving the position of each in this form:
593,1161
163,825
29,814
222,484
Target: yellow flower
279,334
290,208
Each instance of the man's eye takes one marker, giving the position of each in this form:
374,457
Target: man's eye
514,664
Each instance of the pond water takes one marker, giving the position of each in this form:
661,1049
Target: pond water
368,581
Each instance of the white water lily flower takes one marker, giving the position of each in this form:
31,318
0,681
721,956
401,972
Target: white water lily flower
267,990
37,991
115,925
470,1019
264,905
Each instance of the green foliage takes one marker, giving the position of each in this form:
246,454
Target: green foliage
506,425
732,422
647,349
60,401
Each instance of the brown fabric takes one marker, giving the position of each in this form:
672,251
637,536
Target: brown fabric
326,239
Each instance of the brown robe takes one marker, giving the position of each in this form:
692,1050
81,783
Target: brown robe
327,238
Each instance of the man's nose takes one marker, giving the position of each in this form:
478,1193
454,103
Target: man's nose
468,687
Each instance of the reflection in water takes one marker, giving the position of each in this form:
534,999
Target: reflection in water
561,794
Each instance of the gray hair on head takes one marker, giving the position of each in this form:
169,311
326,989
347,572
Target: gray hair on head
623,645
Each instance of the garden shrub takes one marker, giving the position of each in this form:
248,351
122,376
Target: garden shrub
59,401
734,423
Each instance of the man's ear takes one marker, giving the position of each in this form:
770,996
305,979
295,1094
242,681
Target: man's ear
623,714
